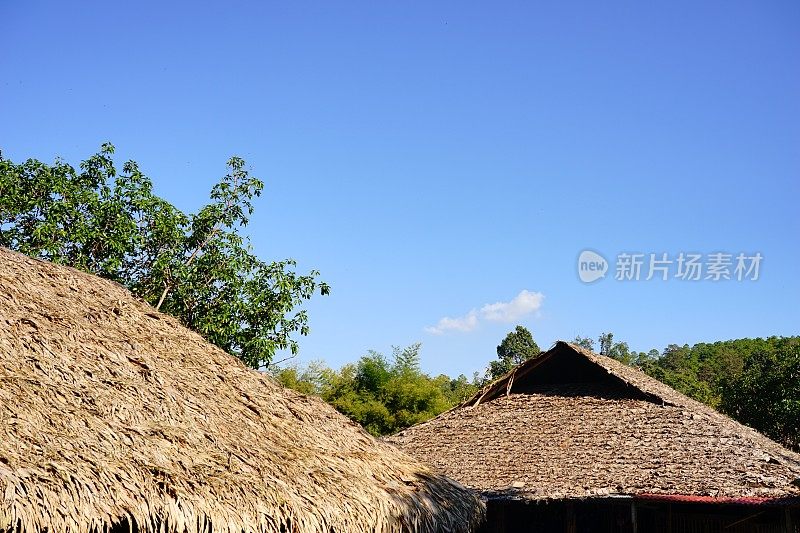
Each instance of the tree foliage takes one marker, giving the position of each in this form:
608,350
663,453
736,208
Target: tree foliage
765,393
198,267
584,342
517,347
616,350
382,394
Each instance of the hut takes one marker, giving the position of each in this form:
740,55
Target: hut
575,442
114,417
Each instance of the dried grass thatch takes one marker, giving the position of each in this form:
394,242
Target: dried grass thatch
112,414
574,424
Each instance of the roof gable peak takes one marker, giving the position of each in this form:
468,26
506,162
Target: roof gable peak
569,370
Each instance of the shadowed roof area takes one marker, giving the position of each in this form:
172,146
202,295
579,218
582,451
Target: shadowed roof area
112,413
574,424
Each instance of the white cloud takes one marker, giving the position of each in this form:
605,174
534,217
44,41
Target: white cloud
525,303
464,323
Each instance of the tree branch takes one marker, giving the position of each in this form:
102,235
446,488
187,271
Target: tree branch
214,231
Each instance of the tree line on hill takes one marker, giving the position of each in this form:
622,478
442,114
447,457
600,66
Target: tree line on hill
201,269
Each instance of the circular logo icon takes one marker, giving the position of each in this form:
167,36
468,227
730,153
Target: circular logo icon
591,266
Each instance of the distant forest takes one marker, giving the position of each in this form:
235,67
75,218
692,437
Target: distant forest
755,381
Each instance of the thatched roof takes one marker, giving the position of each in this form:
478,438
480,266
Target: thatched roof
112,413
574,424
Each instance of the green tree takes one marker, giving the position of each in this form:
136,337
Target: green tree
197,267
766,394
458,390
616,350
518,346
373,371
584,342
310,379
606,341
382,394
645,360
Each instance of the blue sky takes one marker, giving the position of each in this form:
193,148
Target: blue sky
431,159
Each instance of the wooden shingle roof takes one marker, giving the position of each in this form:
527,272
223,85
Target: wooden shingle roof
574,424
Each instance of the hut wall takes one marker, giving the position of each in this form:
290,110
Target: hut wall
505,516
617,516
